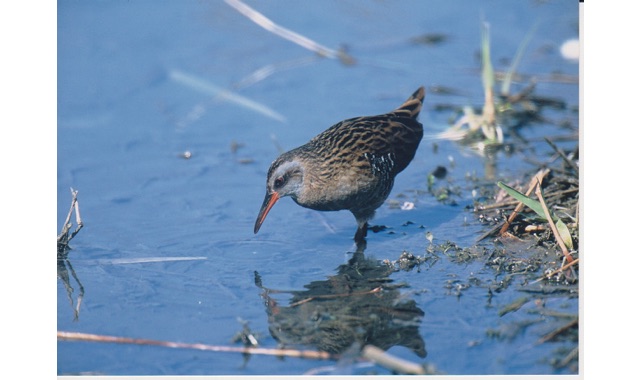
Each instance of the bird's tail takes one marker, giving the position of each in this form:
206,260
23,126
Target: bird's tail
411,108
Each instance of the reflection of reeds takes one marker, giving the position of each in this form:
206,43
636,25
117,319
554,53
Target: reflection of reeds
288,34
202,85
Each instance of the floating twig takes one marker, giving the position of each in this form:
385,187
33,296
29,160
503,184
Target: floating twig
306,354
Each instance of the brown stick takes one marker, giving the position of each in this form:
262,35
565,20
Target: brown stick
306,354
564,267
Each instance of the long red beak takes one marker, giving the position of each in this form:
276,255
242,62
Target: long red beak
269,201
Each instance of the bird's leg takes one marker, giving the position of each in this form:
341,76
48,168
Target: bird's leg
361,233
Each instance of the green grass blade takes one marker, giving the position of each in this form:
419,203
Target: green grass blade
531,203
565,235
487,68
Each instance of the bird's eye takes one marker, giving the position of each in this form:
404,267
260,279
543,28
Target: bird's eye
278,182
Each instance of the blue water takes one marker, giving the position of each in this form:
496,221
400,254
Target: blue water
167,251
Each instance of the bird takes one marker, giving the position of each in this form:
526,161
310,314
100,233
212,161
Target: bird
350,166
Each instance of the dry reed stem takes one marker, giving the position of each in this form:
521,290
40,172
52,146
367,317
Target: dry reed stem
559,240
64,237
306,354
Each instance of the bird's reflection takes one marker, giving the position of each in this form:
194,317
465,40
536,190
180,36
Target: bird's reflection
359,305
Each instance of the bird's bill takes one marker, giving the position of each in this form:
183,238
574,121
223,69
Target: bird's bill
269,201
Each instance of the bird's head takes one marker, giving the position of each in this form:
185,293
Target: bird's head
283,180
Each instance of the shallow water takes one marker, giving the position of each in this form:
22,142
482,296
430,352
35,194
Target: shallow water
167,251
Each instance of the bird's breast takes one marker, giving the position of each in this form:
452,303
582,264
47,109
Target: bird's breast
350,185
